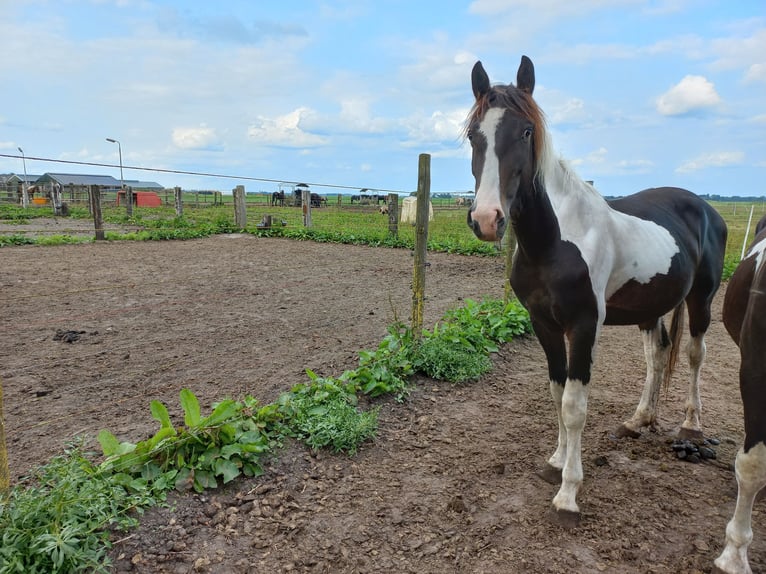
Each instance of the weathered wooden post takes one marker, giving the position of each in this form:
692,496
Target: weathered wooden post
421,242
306,204
393,214
240,209
178,201
511,247
56,199
5,475
94,192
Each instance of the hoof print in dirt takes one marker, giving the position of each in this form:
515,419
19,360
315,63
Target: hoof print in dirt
67,336
694,452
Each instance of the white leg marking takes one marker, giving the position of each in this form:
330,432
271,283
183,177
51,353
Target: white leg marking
557,460
751,477
574,407
656,359
697,351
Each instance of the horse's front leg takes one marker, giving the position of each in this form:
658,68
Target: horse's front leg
552,342
574,408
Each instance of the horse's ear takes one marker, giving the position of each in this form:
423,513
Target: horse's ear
525,77
479,80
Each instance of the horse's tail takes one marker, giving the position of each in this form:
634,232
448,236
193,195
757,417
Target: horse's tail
676,331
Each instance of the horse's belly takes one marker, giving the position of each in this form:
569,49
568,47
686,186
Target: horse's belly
635,303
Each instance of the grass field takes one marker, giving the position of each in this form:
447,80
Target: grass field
343,222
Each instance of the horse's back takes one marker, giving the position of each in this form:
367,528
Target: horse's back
695,224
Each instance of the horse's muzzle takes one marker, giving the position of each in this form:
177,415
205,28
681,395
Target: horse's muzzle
490,227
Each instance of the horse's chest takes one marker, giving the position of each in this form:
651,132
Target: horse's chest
558,289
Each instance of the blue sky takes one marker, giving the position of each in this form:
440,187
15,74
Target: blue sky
638,93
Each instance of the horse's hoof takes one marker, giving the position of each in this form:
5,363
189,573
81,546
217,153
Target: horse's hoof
623,431
690,434
565,518
550,474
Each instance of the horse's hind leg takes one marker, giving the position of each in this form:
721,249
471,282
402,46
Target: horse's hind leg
698,303
690,428
657,353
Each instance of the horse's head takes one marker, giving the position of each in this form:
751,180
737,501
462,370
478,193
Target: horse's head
506,130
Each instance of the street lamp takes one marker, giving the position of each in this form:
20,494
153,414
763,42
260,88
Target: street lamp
128,195
24,188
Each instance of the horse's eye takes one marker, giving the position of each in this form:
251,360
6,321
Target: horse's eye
527,133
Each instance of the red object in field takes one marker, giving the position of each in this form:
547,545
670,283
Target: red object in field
141,199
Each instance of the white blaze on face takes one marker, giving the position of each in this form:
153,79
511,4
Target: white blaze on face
488,193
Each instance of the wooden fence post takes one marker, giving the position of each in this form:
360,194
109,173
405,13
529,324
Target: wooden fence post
421,242
5,476
393,214
95,209
178,201
240,209
306,204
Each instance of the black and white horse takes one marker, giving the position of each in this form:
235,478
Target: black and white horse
582,262
744,315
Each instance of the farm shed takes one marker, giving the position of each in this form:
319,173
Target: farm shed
410,209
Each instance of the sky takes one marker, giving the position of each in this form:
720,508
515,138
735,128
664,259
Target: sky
346,94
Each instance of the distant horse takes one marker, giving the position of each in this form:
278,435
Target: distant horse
278,198
581,263
744,316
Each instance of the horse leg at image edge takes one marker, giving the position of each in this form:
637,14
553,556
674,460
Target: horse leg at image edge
750,469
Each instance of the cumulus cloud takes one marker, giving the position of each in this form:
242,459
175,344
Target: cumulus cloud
286,130
440,127
717,159
690,94
199,138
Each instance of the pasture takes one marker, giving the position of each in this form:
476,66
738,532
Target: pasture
450,483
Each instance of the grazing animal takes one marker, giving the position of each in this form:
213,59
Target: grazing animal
278,198
460,201
744,316
581,262
383,209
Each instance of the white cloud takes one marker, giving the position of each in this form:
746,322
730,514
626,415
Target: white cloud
756,73
440,127
286,130
201,138
717,159
690,94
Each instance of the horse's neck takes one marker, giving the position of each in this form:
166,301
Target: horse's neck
534,221
559,206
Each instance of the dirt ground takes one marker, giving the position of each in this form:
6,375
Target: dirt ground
450,483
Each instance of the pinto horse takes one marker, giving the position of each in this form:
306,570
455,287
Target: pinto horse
581,262
744,316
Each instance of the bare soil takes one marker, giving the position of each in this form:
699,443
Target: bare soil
449,485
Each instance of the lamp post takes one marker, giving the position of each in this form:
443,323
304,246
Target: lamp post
24,188
128,194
